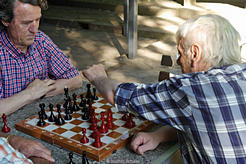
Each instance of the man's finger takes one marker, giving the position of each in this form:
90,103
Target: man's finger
43,154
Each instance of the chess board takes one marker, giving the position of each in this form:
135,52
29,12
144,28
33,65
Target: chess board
68,135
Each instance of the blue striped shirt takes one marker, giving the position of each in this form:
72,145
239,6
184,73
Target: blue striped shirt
207,108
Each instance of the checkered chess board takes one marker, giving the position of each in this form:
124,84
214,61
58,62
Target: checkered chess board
68,135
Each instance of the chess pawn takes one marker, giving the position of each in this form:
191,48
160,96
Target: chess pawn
41,121
124,117
42,106
95,94
129,122
83,101
67,116
88,93
75,106
103,128
84,158
84,139
59,120
71,158
52,117
5,128
110,124
97,142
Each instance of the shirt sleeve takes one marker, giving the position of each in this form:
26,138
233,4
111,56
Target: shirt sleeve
59,65
1,85
163,103
8,155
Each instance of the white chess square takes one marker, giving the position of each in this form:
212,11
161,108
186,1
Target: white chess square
121,130
119,122
68,134
50,127
107,139
68,126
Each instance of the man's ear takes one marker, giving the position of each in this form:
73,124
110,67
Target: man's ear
6,24
196,53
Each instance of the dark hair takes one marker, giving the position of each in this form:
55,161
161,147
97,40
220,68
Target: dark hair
7,9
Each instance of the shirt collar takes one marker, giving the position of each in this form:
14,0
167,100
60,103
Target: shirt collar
15,52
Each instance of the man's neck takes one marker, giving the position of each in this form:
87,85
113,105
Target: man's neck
22,48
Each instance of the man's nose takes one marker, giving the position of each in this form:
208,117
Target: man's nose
34,26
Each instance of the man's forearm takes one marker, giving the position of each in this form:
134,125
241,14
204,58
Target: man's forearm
13,103
166,134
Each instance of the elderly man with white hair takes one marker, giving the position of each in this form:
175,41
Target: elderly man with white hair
204,107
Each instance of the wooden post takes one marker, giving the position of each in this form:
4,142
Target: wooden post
189,2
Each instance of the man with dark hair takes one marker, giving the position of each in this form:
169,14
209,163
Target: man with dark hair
31,65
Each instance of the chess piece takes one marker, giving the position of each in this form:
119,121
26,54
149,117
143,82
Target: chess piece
75,106
83,101
94,94
60,120
68,115
52,117
93,125
5,128
84,139
109,114
95,133
103,128
124,117
88,93
129,122
97,142
66,93
69,105
41,121
93,116
71,158
84,158
42,106
110,124
86,116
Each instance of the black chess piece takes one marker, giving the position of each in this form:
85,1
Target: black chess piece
41,121
66,93
88,93
59,120
84,158
83,101
67,116
71,158
95,94
85,115
70,105
52,117
42,106
75,106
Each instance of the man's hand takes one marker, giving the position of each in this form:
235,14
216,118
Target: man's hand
30,148
95,73
97,76
143,142
39,88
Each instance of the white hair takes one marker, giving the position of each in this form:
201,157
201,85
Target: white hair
218,38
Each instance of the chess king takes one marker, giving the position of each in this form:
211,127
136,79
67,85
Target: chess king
32,66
